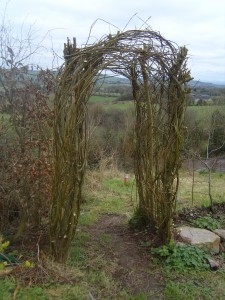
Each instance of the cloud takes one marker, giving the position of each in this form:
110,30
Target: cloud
200,25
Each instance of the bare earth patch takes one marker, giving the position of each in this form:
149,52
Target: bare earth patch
122,248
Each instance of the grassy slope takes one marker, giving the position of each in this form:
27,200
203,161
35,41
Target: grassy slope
204,113
110,102
106,193
102,99
201,197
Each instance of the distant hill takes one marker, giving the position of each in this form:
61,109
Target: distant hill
116,80
201,84
112,79
119,80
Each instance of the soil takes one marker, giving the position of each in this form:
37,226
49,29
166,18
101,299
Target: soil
186,216
125,252
129,252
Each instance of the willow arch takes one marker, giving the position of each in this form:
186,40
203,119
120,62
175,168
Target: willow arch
158,74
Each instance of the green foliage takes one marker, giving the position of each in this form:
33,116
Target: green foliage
165,250
206,222
182,256
28,264
187,257
3,246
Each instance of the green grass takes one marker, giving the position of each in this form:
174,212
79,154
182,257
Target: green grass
192,284
109,103
102,99
112,196
77,253
67,292
201,197
9,289
93,271
204,113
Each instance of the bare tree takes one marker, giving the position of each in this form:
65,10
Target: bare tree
215,144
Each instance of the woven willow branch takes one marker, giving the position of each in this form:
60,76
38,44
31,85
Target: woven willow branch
157,71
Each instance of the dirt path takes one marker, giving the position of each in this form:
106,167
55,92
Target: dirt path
122,248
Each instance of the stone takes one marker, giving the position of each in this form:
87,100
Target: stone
222,246
214,265
220,233
201,238
180,243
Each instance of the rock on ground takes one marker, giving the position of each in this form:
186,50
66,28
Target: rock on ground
201,238
220,233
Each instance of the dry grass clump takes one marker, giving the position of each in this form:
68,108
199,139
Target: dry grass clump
40,271
106,169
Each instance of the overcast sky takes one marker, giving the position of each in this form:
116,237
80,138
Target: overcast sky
198,24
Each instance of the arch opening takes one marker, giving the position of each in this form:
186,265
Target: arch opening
157,71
